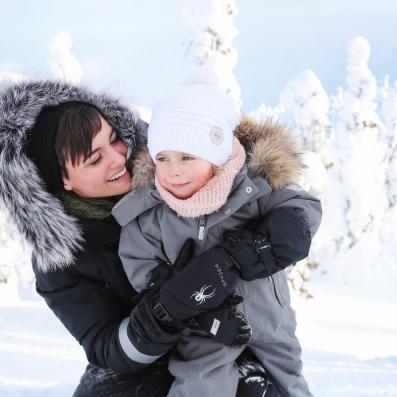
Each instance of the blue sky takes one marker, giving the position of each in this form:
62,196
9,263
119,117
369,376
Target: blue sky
140,46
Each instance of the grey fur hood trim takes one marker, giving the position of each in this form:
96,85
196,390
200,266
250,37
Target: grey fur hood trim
39,215
272,152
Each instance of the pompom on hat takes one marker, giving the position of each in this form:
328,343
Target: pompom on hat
197,118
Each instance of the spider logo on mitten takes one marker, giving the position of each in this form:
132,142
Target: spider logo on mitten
201,296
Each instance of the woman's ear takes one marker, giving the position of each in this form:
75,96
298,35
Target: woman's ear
66,183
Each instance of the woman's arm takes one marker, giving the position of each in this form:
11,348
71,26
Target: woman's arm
281,237
95,312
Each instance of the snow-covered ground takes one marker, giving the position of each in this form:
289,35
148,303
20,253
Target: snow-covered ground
349,344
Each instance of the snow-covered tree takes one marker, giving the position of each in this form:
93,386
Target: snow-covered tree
388,228
306,100
389,112
305,104
16,274
361,150
212,30
358,202
266,112
64,65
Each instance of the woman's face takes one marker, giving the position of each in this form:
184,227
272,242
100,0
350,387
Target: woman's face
103,173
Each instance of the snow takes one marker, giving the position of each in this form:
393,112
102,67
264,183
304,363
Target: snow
64,65
37,355
349,347
212,31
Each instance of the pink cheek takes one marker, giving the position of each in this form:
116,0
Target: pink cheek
160,179
161,176
201,180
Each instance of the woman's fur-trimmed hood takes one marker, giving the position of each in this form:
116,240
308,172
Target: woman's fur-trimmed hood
39,215
271,150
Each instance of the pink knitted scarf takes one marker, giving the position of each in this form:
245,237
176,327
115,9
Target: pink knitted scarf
214,194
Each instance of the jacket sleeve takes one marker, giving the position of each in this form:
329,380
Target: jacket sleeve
282,236
291,217
141,249
293,197
99,320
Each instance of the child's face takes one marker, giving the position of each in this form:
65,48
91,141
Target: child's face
182,174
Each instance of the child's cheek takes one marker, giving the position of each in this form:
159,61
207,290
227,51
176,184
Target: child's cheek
202,179
160,175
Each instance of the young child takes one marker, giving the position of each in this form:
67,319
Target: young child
204,186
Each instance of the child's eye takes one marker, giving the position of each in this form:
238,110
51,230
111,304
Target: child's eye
160,159
187,158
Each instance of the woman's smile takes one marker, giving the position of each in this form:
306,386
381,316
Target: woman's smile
119,175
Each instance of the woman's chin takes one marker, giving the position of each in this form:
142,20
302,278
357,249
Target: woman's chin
120,186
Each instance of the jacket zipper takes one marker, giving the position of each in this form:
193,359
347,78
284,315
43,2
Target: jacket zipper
201,228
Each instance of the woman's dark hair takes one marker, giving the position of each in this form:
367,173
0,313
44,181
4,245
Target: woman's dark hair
79,123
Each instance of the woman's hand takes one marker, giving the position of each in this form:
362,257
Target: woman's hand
277,241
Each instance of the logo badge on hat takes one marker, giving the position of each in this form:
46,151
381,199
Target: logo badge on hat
216,135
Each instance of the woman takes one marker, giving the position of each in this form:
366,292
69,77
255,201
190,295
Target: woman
61,202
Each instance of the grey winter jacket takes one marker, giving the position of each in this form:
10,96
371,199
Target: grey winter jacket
158,233
149,222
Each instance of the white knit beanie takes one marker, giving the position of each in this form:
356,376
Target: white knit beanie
197,119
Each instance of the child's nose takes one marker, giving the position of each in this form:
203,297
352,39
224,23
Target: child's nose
175,169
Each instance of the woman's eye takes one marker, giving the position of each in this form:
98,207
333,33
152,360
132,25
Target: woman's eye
114,140
96,161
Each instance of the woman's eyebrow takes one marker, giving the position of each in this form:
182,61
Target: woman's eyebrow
98,148
93,152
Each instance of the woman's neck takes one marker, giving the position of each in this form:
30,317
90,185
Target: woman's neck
92,208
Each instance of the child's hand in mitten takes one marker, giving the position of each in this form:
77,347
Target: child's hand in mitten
226,324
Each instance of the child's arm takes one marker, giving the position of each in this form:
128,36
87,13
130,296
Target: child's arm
140,250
